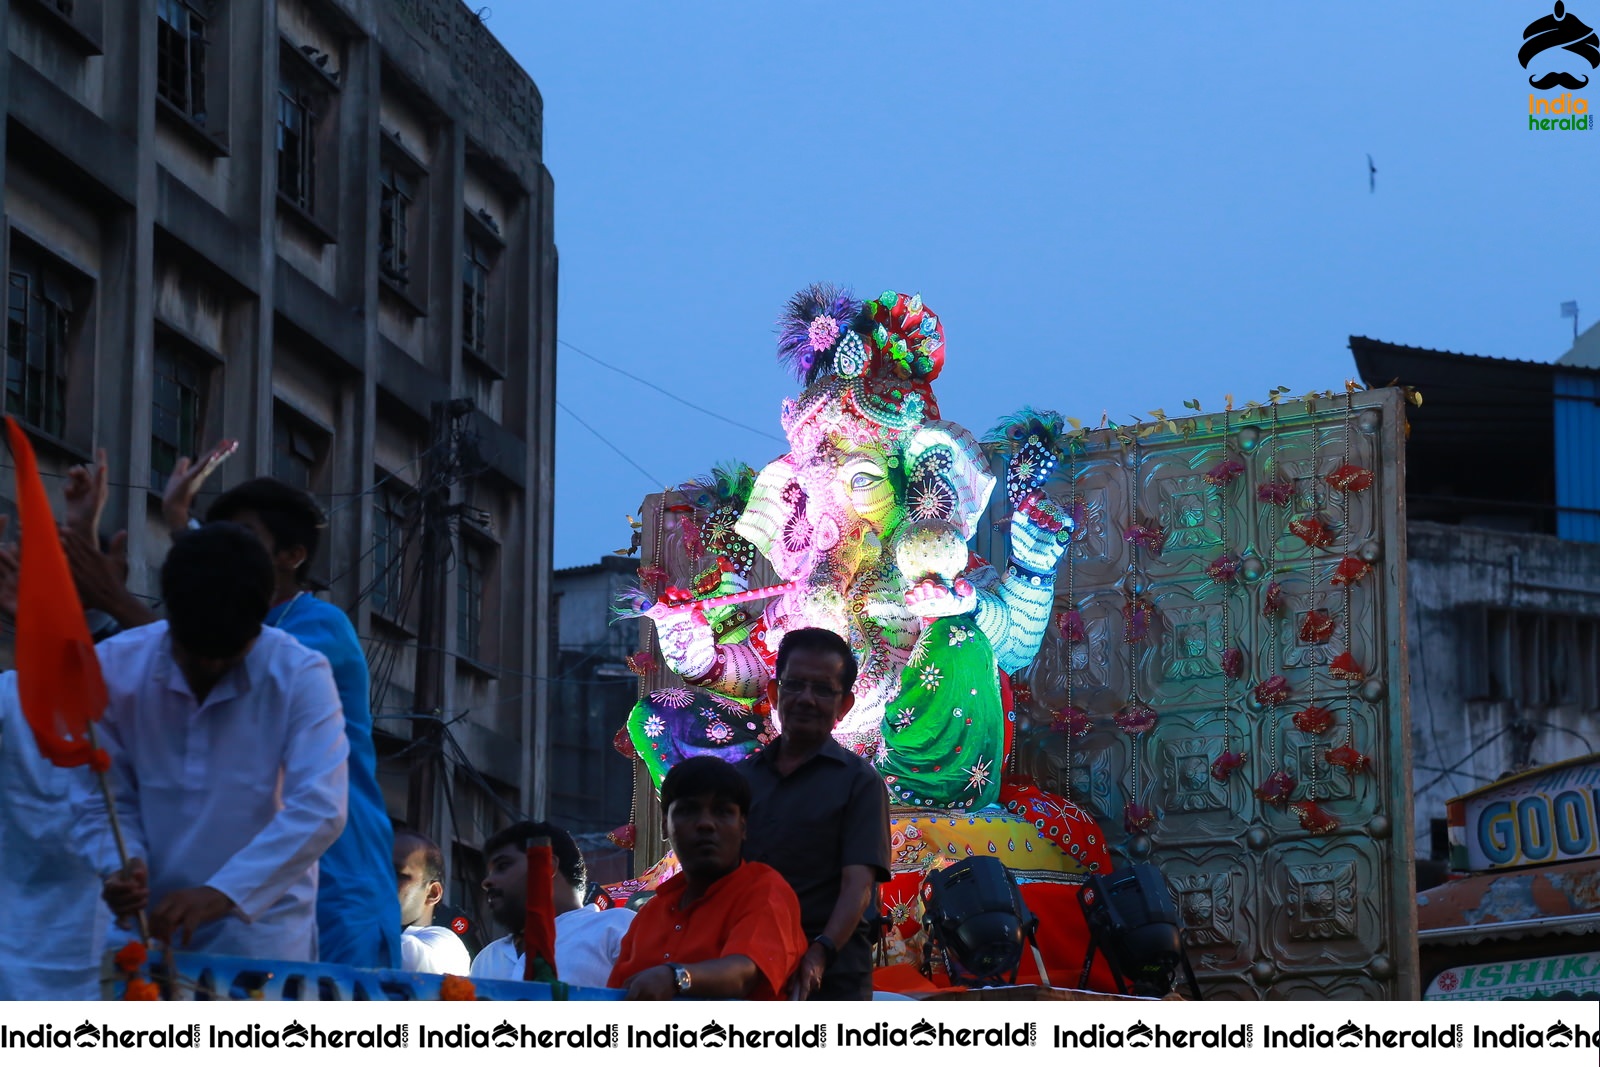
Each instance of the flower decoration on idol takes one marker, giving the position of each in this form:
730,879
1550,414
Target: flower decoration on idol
1278,493
1233,663
1145,536
1316,628
1223,766
1349,571
1314,530
1272,601
1345,668
1313,817
1137,615
1315,720
1224,473
1348,758
1350,479
1073,721
1225,568
1273,692
1070,626
1135,719
1276,788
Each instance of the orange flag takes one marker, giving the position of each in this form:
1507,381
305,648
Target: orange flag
58,673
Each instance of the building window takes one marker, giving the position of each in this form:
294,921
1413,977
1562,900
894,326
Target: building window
397,191
475,299
177,408
297,153
469,599
297,450
388,550
181,57
1537,660
38,324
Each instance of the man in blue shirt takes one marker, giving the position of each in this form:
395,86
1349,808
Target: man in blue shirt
358,912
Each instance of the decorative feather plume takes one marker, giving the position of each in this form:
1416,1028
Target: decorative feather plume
1033,439
728,483
1017,428
816,319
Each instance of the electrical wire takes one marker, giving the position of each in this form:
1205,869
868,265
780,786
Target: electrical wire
670,395
603,439
1560,729
1485,743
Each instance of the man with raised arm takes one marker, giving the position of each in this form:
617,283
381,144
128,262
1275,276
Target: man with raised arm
227,761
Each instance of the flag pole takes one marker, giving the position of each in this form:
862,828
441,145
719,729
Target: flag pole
116,827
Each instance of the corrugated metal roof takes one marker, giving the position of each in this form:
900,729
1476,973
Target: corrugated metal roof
1370,347
1585,351
1358,344
1482,443
1511,903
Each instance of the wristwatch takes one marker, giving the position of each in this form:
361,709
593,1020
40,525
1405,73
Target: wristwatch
830,951
680,975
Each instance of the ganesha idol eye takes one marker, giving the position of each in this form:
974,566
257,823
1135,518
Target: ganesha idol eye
865,481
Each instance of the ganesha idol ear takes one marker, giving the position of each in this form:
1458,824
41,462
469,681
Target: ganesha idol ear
774,520
966,473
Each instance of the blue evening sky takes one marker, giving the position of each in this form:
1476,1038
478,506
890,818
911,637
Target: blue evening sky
1110,206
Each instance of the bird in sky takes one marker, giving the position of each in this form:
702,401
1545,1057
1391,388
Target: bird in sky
1372,175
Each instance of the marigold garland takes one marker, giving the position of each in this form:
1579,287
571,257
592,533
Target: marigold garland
131,957
455,987
139,989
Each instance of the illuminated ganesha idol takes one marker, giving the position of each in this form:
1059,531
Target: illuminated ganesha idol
866,520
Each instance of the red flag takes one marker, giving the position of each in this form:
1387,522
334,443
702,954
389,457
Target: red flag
539,931
58,673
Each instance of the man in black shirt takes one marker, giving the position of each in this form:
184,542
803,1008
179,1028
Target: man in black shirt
819,814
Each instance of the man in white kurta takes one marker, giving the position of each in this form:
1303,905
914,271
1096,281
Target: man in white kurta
55,928
587,938
239,792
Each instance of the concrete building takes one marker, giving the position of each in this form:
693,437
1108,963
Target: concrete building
303,223
1503,568
591,785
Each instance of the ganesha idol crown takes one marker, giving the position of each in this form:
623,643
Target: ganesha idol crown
874,360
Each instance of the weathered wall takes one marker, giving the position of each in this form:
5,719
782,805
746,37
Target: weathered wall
1504,657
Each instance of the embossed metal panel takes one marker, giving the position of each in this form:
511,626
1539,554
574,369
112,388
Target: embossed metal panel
1271,908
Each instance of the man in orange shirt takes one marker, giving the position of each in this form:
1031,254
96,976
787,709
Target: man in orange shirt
721,928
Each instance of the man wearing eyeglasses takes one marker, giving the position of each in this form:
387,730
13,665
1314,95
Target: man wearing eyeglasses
819,814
